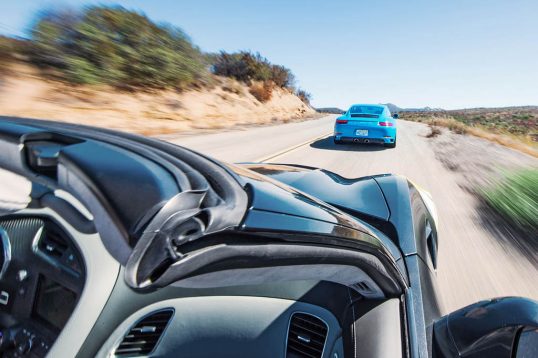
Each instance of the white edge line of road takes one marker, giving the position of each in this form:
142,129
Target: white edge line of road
290,149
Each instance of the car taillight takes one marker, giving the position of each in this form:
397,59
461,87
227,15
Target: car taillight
385,124
341,121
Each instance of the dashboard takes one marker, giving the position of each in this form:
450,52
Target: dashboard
61,294
232,326
256,326
42,278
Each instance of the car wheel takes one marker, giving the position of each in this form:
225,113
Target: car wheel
391,145
336,141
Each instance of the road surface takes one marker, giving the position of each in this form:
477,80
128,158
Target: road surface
474,263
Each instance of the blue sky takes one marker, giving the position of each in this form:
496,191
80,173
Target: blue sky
449,54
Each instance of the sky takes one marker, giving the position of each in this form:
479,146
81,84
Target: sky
442,54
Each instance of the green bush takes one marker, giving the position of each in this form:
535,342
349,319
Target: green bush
115,46
247,67
516,198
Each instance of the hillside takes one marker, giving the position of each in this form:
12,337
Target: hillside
24,93
515,127
396,109
110,66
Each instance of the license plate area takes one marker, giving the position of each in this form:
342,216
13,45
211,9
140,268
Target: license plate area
361,132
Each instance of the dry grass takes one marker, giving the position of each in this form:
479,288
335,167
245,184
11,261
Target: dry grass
262,91
507,140
522,137
232,86
452,124
435,131
227,104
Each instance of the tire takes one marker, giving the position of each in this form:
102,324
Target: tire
391,145
336,141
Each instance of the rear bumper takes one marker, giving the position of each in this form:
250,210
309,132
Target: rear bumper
365,140
376,134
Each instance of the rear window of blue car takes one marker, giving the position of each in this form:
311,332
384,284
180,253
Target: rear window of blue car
366,109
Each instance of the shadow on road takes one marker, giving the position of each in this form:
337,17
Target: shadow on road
328,144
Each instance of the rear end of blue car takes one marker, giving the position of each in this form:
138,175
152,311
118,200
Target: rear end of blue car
366,124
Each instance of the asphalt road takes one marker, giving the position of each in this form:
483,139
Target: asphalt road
474,262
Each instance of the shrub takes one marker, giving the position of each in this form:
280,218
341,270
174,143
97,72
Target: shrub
282,77
262,91
516,198
9,50
114,46
5,54
304,96
434,131
247,67
5,48
457,127
243,66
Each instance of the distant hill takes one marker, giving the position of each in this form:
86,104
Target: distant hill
395,108
333,110
423,109
392,107
471,110
496,109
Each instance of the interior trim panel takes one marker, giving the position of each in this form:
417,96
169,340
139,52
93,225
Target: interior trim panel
91,281
227,326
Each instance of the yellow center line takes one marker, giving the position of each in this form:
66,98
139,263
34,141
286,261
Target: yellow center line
290,149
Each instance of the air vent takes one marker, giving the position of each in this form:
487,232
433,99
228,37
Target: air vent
362,287
52,243
54,246
143,337
306,336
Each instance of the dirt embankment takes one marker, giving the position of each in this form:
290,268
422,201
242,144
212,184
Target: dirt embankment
23,93
480,164
513,127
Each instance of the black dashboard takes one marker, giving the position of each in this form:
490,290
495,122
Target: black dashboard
43,275
41,281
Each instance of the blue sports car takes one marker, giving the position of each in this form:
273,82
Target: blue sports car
366,123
